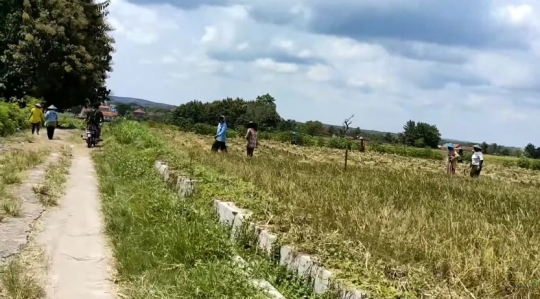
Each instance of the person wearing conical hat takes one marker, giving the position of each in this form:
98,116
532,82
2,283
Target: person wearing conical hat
36,117
477,161
51,121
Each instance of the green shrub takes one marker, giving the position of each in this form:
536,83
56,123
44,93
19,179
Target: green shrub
203,129
523,163
534,164
406,151
13,118
341,143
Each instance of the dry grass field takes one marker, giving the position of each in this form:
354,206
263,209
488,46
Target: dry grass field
396,227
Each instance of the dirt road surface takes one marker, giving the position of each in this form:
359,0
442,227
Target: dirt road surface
78,259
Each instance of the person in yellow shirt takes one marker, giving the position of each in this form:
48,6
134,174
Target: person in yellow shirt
36,117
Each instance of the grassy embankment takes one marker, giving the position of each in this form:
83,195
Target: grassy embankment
166,247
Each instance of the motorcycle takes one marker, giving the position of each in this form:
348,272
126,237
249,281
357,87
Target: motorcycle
91,136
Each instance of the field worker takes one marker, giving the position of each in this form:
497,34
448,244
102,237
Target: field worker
362,144
477,161
460,153
294,138
36,117
251,137
51,121
221,136
452,159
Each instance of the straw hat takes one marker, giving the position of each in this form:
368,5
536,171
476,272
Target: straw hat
37,105
52,107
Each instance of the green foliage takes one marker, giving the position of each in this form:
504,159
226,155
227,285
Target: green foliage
424,153
420,134
527,163
56,50
237,112
313,128
13,118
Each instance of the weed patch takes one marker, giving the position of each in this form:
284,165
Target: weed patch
56,174
16,282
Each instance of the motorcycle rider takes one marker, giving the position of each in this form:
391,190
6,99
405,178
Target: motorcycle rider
95,117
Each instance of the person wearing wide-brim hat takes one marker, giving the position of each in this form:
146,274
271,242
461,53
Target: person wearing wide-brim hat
51,121
36,117
477,161
251,137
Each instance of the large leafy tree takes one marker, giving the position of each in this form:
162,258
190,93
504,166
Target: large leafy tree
420,134
58,50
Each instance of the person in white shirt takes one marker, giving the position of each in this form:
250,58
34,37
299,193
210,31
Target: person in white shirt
477,161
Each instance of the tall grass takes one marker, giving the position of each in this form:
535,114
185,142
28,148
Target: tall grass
394,230
166,247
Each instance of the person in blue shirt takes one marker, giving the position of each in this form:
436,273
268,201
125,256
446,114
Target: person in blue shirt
294,138
221,136
51,121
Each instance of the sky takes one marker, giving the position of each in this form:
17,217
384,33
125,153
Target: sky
472,68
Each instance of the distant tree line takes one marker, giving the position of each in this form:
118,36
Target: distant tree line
58,51
531,151
263,110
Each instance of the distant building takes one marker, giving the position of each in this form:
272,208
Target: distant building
108,113
139,113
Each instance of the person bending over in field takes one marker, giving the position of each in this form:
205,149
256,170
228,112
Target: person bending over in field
452,160
251,137
477,161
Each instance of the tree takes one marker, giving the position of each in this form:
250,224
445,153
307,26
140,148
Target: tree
313,128
484,147
356,132
530,151
57,50
331,130
388,138
494,148
409,135
420,134
123,109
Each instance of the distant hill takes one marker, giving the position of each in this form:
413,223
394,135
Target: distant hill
140,102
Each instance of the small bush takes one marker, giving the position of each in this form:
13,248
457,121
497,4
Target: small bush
406,151
13,118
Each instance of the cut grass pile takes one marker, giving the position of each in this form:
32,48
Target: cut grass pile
395,227
164,247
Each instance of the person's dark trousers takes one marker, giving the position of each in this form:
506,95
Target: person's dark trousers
219,145
475,171
250,151
50,132
35,128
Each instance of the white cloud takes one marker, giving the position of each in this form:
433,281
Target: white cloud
319,73
280,67
168,60
224,51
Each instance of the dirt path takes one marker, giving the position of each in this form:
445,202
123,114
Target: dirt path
72,237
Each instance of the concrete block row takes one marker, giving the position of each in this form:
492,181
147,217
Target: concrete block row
303,265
